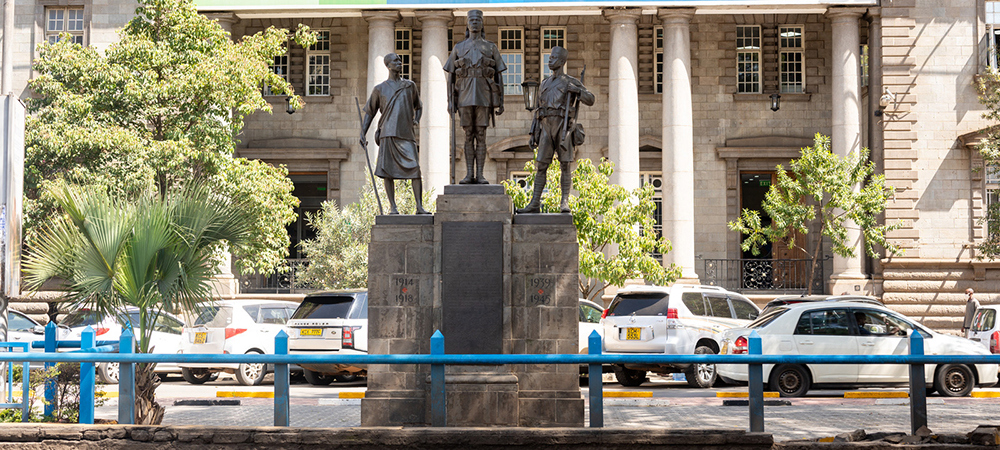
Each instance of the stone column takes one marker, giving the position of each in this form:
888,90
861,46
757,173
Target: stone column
678,140
381,42
226,20
623,96
847,274
435,126
876,143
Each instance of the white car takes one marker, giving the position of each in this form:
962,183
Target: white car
165,337
849,328
21,328
234,327
590,321
985,328
330,323
681,319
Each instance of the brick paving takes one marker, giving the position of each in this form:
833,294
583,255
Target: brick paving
805,418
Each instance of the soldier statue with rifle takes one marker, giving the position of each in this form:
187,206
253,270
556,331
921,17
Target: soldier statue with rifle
475,92
554,129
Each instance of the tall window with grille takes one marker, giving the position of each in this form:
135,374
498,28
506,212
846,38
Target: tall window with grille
864,65
655,179
64,20
992,198
993,33
279,67
404,50
748,59
791,53
551,37
318,65
658,58
512,53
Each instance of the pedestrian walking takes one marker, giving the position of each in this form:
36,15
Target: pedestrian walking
971,305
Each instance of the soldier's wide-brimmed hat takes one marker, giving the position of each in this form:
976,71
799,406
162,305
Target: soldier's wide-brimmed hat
475,12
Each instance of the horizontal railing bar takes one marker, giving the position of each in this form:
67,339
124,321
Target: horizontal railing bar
496,359
98,349
70,344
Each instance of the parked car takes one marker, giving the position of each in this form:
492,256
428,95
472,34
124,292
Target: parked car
330,323
793,299
985,328
590,321
21,328
165,337
234,327
678,320
851,328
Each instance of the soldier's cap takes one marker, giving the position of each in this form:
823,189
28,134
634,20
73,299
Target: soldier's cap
475,12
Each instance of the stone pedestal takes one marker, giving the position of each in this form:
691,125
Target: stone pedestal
492,283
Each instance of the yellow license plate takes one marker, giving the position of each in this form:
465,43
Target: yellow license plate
200,337
633,334
311,332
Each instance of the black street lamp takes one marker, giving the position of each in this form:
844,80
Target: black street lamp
530,88
775,101
288,105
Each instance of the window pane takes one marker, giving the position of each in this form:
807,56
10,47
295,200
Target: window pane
322,42
75,22
513,76
830,322
720,307
744,309
694,302
55,20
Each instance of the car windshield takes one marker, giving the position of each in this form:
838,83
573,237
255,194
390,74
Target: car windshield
324,307
985,319
81,319
639,304
215,316
767,316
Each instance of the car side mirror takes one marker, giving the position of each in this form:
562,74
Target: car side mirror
38,329
753,316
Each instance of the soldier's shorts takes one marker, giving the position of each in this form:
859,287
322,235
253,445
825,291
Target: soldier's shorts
474,116
550,139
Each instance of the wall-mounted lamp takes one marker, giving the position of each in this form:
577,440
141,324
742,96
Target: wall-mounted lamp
288,105
775,101
530,88
885,100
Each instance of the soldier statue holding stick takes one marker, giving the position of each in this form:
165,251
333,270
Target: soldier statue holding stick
475,92
554,129
398,158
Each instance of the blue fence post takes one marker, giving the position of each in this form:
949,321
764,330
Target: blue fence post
594,377
756,386
439,411
87,379
281,381
126,379
25,389
918,388
50,384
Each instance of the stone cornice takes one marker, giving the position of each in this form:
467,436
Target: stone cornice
225,17
675,15
622,15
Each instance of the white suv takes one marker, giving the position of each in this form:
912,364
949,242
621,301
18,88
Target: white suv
677,320
330,323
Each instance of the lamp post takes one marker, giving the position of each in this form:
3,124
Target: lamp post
288,105
530,88
775,101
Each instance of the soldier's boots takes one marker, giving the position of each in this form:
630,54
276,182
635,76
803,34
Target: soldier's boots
470,164
565,184
480,163
535,205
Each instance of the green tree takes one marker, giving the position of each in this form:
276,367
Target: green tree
989,147
155,253
606,216
338,255
822,187
156,109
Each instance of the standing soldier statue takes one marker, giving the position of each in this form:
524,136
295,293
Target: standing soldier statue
475,91
398,158
554,129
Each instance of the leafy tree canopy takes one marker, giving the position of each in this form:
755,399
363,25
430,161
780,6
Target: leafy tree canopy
156,109
989,147
607,216
823,187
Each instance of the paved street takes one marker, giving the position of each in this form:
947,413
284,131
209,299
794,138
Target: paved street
673,405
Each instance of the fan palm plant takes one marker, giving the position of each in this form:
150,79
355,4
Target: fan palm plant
153,253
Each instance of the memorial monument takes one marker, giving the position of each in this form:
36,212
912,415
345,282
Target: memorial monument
490,281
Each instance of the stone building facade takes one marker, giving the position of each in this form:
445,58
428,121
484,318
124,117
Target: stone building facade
683,101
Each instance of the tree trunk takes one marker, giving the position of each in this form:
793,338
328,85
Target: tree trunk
147,411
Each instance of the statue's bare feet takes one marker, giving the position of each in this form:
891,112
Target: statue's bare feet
393,210
422,211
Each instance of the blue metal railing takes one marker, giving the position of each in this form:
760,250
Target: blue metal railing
25,385
438,360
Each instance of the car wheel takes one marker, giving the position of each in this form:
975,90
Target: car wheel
197,376
629,377
701,375
790,380
954,380
251,374
346,378
316,378
107,373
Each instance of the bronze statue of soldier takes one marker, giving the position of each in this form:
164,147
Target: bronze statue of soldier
554,129
475,92
398,156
